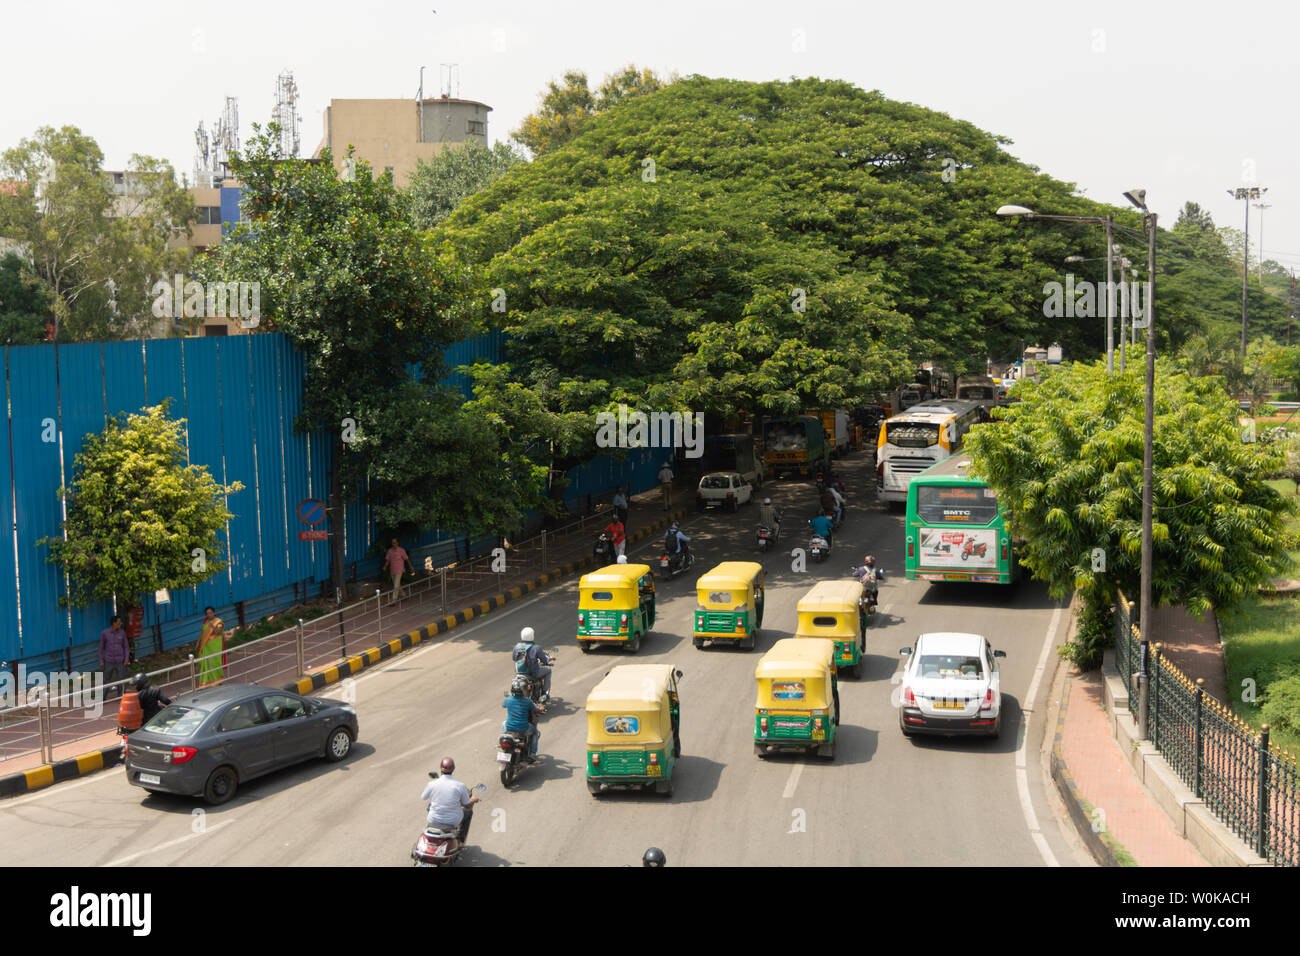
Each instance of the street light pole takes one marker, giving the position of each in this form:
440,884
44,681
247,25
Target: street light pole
1261,206
1247,193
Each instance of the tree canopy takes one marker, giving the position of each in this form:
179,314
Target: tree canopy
1067,464
438,186
139,517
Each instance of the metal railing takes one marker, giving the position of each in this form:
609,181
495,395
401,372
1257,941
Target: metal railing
44,721
1253,787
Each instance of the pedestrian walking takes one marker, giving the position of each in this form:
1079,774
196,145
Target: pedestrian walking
617,535
114,651
397,561
620,503
210,650
666,486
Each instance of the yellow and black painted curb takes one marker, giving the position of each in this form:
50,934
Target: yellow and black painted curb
49,774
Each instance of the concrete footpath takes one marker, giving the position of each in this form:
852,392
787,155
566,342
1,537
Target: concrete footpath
1128,805
90,746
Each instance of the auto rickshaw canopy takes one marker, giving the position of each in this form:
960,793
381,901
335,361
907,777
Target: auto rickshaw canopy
830,599
631,706
735,578
621,581
796,674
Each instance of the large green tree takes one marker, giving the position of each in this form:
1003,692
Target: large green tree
139,517
567,107
373,302
98,246
438,186
24,304
1067,464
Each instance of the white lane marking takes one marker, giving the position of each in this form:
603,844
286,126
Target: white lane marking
162,846
792,782
1022,773
415,750
60,788
582,677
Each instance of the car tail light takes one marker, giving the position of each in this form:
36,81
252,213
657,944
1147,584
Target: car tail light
730,495
654,759
762,725
182,754
595,758
909,699
880,471
988,700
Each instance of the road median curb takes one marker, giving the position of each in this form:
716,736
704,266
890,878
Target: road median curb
46,775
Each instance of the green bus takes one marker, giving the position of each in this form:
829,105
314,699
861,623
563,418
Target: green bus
956,531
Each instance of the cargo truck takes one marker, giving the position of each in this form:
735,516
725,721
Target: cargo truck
793,445
836,425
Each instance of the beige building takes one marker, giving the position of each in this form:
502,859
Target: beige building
393,134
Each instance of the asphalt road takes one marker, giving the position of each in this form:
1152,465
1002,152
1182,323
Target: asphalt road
884,800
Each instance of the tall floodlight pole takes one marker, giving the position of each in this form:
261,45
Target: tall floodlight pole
1246,193
1261,206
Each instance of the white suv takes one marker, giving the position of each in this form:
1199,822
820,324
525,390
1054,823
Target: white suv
723,489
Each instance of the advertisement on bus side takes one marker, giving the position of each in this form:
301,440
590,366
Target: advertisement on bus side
959,548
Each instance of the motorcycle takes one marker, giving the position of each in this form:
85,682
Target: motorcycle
818,547
972,548
439,845
603,549
870,592
537,685
766,537
675,563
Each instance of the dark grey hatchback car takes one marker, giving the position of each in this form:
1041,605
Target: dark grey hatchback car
208,742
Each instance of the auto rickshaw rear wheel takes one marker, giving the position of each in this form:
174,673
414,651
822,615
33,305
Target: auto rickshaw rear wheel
664,788
635,644
586,646
593,788
826,751
699,642
760,750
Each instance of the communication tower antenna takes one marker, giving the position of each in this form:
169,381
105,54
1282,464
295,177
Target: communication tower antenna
285,113
452,68
225,138
202,157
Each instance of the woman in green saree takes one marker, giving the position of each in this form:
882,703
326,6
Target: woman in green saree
208,650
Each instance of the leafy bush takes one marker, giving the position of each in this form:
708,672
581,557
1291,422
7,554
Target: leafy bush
1095,632
1280,705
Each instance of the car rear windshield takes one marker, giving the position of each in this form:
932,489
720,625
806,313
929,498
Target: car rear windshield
716,481
951,665
176,721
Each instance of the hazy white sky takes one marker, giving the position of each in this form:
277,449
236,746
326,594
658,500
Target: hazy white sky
1183,98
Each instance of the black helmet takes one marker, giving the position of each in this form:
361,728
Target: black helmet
654,857
140,682
518,685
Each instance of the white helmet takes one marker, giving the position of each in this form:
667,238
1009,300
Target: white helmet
526,635
767,501
622,559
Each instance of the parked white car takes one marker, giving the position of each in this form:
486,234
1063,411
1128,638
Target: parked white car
951,685
723,489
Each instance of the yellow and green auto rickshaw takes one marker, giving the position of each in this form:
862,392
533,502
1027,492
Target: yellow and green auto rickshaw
730,608
634,729
798,706
831,609
616,605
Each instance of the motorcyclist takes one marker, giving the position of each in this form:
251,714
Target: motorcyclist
520,717
450,802
532,660
151,698
821,525
675,541
769,517
839,503
868,574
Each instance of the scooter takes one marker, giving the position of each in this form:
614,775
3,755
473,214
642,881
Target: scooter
603,549
439,845
972,548
818,547
675,563
766,537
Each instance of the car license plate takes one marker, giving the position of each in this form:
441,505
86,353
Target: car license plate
150,778
503,757
945,704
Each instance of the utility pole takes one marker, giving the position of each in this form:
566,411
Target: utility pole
1261,206
1246,193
